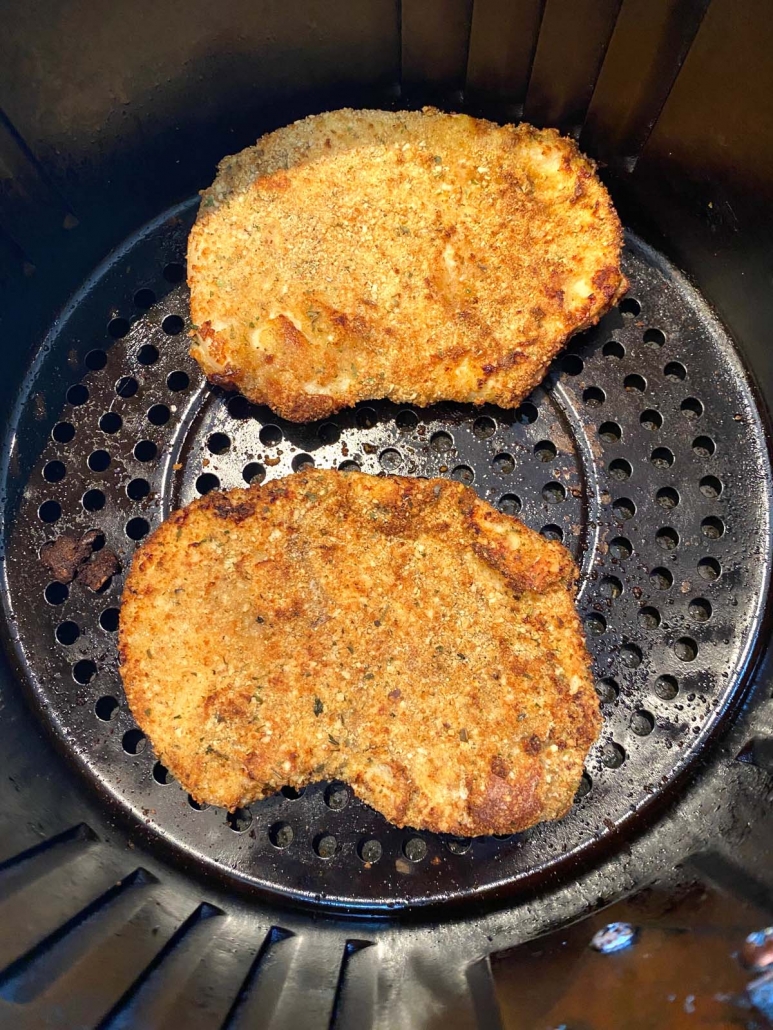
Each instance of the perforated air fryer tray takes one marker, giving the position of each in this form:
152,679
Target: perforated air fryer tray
643,451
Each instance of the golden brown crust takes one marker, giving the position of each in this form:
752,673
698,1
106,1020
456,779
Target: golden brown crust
399,634
418,256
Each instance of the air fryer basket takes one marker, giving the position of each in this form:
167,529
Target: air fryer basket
645,450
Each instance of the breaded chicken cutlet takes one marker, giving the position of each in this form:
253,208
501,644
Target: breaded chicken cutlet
398,634
412,255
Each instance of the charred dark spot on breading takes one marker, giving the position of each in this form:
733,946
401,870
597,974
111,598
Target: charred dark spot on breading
533,745
223,508
227,379
607,281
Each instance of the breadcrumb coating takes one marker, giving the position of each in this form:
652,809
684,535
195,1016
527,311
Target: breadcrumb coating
412,255
398,634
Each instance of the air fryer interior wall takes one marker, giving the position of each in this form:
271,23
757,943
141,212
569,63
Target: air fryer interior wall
112,114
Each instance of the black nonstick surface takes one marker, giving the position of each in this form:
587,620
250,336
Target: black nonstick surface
643,451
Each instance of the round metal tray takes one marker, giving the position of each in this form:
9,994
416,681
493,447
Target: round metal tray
643,451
